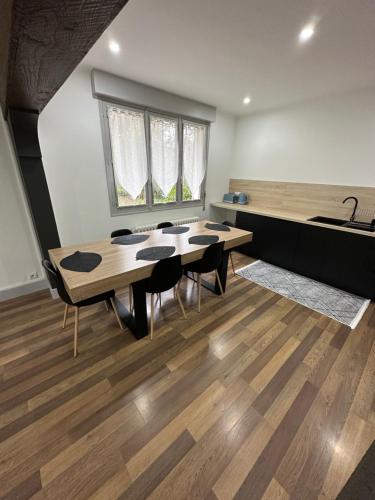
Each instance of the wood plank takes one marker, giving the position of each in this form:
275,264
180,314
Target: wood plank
357,436
149,453
128,418
238,468
275,492
195,475
146,483
261,474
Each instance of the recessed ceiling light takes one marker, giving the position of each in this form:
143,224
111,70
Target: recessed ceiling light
306,33
114,47
246,100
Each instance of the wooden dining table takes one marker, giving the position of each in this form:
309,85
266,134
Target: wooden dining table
119,267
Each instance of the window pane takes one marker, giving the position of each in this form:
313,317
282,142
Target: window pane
164,158
125,200
129,158
194,161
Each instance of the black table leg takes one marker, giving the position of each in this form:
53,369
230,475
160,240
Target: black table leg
222,271
137,322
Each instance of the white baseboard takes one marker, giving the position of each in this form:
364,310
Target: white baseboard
23,289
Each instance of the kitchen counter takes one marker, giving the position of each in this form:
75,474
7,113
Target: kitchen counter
287,215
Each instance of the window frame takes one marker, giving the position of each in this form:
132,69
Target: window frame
117,210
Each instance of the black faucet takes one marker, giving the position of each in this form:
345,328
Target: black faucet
355,206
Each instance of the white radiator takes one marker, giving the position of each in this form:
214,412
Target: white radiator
176,222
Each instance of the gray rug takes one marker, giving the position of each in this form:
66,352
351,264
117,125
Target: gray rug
334,303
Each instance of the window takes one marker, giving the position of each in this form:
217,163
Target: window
129,160
164,159
154,160
194,162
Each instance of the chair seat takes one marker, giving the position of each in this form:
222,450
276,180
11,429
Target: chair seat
152,287
193,267
201,267
94,300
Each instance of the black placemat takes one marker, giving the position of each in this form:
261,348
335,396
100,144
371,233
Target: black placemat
203,239
217,227
82,262
130,239
155,253
176,230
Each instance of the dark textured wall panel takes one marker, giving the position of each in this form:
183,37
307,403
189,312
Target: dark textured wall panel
49,38
5,25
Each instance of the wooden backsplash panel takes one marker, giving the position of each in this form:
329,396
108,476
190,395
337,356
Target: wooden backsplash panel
308,199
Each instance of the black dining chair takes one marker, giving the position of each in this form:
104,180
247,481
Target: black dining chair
210,261
161,225
56,281
230,224
120,232
166,274
115,234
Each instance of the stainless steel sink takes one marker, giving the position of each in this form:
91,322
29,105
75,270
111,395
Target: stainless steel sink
361,226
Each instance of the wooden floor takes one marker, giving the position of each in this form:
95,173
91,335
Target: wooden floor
256,397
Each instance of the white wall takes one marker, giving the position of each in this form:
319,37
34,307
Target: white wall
330,140
73,158
19,254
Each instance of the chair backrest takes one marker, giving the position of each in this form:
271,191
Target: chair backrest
212,257
56,281
228,223
165,275
161,225
120,232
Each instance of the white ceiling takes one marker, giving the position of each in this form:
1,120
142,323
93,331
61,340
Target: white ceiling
218,51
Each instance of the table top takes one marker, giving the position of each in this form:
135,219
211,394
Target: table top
119,266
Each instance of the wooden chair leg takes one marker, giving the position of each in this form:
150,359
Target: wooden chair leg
152,317
76,324
199,292
181,304
176,288
116,313
130,299
231,261
218,280
65,315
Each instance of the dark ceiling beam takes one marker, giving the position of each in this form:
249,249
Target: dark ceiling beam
48,40
5,26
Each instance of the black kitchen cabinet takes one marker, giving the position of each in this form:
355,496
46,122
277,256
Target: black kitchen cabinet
341,259
263,244
310,253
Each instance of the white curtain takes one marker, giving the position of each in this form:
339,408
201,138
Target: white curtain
128,143
194,157
164,152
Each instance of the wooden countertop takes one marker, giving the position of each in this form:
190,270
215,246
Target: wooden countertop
286,215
